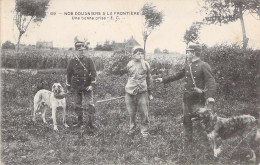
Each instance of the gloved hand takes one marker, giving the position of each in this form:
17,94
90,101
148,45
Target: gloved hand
89,88
150,97
198,90
210,100
158,80
68,88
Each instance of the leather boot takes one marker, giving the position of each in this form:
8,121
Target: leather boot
187,136
80,122
90,123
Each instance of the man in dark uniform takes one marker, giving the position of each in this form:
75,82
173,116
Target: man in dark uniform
81,78
199,88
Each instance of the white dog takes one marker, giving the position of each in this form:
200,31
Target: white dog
50,100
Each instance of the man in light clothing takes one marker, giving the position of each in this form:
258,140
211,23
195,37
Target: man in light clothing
138,90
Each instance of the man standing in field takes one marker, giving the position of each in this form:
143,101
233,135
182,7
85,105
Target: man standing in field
199,88
81,78
138,90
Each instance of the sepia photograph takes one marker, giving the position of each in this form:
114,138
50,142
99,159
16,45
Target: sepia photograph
122,82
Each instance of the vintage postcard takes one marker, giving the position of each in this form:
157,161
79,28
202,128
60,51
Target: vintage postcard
130,82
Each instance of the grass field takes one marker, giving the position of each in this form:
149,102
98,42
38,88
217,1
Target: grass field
26,142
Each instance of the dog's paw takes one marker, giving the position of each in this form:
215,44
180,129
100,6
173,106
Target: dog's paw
55,128
251,158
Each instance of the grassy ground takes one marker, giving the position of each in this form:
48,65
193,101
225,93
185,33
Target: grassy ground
26,142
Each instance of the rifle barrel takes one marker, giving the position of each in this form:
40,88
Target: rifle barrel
101,101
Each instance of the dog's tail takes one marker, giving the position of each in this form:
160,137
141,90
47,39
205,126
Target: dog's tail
246,119
34,104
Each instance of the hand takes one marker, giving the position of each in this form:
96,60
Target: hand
68,88
89,88
210,103
198,90
210,100
158,80
150,97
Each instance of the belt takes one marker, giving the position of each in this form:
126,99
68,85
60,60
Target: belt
78,77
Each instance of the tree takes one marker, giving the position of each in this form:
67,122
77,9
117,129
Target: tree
156,51
192,34
153,19
8,45
98,47
165,51
225,11
107,46
27,11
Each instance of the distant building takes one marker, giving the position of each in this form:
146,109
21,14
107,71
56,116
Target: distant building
25,47
44,45
128,44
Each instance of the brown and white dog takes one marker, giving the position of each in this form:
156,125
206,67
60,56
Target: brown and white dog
219,129
45,99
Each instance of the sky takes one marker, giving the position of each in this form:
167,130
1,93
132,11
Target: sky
178,17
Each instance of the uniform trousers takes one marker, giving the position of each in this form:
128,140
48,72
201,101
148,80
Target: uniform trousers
82,101
191,101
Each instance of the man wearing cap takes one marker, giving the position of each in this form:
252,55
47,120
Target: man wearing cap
199,88
81,78
138,90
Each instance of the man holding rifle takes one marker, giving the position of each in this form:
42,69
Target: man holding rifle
81,78
199,88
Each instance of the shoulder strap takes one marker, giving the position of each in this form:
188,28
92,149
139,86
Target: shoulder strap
193,80
80,61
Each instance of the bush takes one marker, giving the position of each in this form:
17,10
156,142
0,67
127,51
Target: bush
117,63
37,59
8,45
235,70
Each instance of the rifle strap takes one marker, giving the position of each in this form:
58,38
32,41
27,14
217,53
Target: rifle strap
80,62
193,80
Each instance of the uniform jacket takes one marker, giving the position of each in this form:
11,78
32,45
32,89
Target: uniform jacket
77,76
139,77
202,75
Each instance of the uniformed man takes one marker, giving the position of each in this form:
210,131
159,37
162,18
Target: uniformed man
81,78
199,87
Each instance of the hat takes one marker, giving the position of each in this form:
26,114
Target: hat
80,44
196,48
137,49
